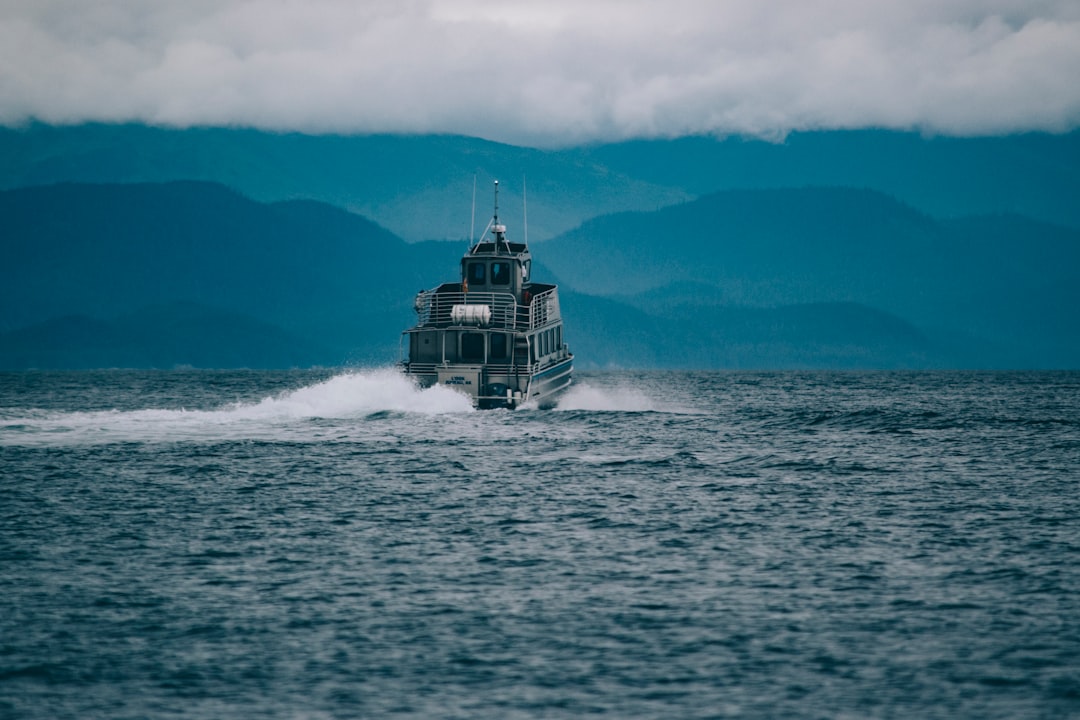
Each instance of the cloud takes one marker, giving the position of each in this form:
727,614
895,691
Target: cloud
546,73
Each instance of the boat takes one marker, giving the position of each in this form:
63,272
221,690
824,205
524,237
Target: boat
495,335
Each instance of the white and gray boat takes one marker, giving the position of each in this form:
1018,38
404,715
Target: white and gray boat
495,335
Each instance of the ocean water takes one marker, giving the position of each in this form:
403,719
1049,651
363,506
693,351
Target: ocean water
662,545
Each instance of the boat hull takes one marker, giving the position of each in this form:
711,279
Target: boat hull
498,386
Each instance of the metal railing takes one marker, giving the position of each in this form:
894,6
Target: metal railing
434,308
544,309
416,368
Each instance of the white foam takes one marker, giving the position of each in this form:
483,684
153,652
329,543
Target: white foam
617,399
624,398
349,395
355,394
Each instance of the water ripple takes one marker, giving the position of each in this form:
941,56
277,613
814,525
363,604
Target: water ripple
665,545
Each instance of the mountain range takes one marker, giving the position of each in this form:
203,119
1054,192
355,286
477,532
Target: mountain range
1002,290
421,187
287,250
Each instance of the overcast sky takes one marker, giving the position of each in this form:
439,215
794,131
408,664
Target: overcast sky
546,73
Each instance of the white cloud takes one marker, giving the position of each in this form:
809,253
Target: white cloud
550,73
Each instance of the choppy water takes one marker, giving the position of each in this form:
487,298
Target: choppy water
663,545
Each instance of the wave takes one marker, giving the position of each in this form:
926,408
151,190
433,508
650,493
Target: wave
586,397
622,399
359,393
348,395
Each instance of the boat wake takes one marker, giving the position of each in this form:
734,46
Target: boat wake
622,399
357,394
585,397
349,395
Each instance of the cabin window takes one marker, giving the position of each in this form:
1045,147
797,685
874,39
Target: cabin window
500,273
477,273
472,346
498,346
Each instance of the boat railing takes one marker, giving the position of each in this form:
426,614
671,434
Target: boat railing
544,309
415,368
436,308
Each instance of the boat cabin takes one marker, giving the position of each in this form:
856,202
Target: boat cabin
495,333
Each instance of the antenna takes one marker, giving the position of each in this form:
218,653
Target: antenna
499,230
525,207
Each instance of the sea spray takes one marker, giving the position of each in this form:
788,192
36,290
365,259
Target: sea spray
354,394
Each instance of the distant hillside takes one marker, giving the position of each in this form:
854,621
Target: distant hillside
420,187
607,334
178,334
190,273
999,291
332,278
761,247
1037,175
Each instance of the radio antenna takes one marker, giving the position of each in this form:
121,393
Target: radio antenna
498,229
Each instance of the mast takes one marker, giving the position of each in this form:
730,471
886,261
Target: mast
499,230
